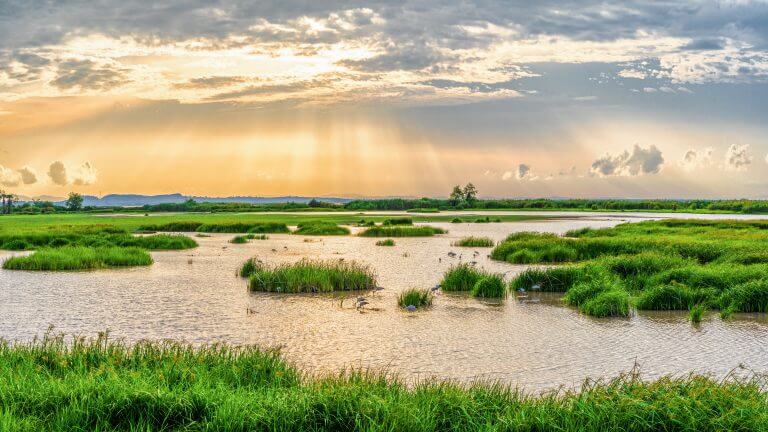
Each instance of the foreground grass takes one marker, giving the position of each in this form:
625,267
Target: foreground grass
660,265
307,276
402,231
50,385
71,258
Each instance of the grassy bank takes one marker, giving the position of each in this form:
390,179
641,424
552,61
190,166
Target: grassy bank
307,276
659,265
102,385
402,231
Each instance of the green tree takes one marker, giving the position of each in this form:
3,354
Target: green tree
470,193
457,196
74,201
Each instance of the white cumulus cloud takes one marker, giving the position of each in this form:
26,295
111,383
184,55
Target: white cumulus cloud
640,161
737,157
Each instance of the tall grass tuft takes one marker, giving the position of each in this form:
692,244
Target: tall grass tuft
490,286
307,276
239,239
320,229
696,313
398,221
71,258
385,242
611,303
402,231
464,277
473,242
552,279
419,298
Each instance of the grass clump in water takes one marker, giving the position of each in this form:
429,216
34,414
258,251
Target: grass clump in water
97,384
490,286
418,298
611,303
697,313
321,229
307,276
70,258
240,239
386,242
398,221
402,231
474,242
464,277
552,279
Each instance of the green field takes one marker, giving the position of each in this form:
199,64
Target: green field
57,385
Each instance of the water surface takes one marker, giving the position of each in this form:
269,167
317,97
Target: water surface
535,343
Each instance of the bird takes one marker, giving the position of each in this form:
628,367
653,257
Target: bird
452,254
361,302
435,288
535,287
410,308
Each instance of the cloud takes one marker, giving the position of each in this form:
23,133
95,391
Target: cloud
9,177
211,82
86,174
705,44
507,175
86,75
640,161
523,172
693,158
28,175
737,157
57,172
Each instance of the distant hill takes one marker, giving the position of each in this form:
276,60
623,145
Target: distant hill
135,200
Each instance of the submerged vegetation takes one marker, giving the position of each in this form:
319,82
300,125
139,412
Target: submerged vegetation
655,265
474,242
415,298
479,283
308,276
55,384
402,231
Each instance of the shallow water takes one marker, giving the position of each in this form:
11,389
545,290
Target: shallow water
534,343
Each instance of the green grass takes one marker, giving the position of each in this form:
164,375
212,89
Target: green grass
465,277
385,242
456,220
659,265
402,231
308,276
419,298
473,242
423,210
697,313
321,229
240,239
398,221
244,227
62,385
490,286
609,303
70,258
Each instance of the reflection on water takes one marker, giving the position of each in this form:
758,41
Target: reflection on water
533,342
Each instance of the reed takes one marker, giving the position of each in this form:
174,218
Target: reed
696,314
418,298
70,258
473,242
490,286
402,231
307,276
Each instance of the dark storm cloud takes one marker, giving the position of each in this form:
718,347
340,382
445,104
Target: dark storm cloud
705,45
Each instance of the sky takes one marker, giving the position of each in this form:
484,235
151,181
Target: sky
554,98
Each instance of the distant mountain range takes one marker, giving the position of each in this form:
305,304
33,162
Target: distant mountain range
135,200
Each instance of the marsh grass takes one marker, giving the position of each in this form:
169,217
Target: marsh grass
240,239
611,303
385,242
71,258
473,242
697,313
60,385
419,298
402,231
456,220
398,221
244,228
490,286
308,276
660,265
321,229
177,226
